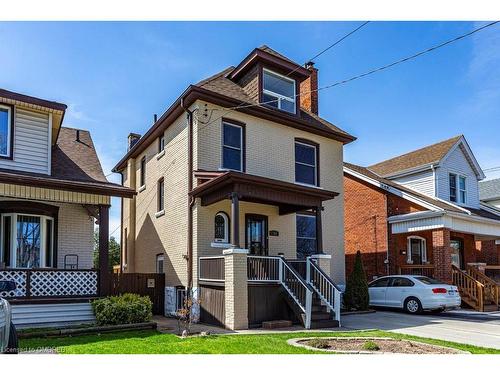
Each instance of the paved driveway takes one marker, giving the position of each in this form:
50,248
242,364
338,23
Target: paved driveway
480,329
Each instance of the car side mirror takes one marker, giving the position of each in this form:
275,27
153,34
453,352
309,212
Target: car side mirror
7,286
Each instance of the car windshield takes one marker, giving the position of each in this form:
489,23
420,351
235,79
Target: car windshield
428,280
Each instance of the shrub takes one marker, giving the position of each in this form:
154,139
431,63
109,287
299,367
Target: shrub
123,309
371,346
356,294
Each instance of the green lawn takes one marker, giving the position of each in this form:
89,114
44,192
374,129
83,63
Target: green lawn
152,342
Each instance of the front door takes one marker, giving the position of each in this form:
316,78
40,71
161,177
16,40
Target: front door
457,253
256,234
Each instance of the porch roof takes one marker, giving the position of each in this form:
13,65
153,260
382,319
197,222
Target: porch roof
289,197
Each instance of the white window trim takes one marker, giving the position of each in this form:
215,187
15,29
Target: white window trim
222,168
13,238
408,251
459,197
225,240
279,96
315,166
9,129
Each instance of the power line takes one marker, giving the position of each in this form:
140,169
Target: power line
331,46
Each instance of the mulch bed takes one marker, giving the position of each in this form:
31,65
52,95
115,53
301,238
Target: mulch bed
378,346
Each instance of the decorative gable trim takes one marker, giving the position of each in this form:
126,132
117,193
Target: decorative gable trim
466,150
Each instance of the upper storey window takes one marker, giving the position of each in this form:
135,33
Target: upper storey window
278,91
232,147
306,163
458,188
5,131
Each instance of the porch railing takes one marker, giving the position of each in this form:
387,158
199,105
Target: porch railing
491,288
212,269
51,283
417,269
471,290
328,292
276,269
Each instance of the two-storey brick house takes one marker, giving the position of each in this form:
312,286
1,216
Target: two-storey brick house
239,174
421,213
52,191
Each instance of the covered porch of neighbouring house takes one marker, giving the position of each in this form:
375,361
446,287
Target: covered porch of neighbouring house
455,248
47,244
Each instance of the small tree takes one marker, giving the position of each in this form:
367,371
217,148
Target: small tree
356,295
114,251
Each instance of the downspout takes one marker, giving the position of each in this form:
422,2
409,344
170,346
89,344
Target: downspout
190,198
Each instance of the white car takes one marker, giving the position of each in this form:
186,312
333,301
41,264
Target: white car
413,293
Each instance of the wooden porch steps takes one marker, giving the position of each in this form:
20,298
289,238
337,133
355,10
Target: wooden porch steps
275,324
476,289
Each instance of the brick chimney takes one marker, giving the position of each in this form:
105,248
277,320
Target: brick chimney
132,140
308,90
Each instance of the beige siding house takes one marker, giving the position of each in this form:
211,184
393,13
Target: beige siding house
52,191
239,196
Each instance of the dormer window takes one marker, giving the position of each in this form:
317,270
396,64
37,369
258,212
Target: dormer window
278,91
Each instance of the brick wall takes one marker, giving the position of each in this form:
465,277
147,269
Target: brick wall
487,252
442,254
365,226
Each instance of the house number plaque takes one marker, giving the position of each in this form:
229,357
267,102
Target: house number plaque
274,233
151,283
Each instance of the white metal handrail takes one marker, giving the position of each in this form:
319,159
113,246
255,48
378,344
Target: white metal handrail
276,269
324,287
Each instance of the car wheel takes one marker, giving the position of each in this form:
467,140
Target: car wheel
413,305
13,345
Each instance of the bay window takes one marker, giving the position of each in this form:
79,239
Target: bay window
278,91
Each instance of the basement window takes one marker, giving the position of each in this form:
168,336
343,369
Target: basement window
278,91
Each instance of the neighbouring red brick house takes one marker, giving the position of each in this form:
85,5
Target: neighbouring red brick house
420,213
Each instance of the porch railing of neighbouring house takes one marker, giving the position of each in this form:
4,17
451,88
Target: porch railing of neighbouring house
276,269
51,283
324,287
417,269
491,288
471,290
211,269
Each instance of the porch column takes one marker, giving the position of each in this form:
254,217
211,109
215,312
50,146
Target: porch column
441,248
235,220
104,273
319,230
236,288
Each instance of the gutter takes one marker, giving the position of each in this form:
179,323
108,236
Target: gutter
191,199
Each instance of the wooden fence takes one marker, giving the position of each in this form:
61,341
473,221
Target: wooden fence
144,284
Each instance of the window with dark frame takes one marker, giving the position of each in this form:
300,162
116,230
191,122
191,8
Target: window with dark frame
143,171
221,225
125,250
306,163
232,146
5,131
161,194
160,261
161,143
306,235
453,187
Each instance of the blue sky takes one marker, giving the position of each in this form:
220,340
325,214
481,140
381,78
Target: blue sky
115,76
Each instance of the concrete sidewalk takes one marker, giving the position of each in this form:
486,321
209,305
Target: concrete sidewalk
480,329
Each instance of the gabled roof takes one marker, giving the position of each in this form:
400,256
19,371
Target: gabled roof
425,199
428,155
489,190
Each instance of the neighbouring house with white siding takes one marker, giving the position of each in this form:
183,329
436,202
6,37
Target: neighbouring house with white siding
52,191
430,218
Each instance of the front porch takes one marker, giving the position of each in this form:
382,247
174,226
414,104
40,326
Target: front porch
238,291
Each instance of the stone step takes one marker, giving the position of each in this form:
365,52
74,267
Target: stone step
274,324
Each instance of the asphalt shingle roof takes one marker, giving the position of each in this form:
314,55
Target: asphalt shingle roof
489,190
423,156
